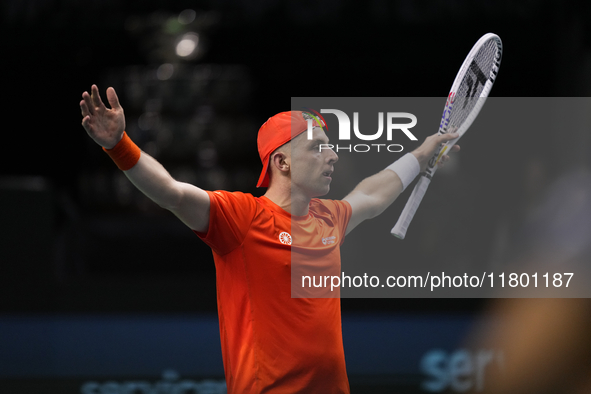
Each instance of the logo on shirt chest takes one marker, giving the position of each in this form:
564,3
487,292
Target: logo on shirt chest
285,238
329,240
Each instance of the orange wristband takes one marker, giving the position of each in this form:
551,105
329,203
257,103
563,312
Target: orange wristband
125,154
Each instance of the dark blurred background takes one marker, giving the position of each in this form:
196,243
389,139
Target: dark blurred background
196,80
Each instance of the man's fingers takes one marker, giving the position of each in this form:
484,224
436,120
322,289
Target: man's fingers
112,98
445,158
88,102
448,137
84,109
96,97
85,123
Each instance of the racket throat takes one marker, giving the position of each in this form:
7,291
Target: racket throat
427,175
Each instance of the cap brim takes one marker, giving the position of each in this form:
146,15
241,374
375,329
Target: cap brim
264,177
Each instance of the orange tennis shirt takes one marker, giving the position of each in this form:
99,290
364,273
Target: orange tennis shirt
271,342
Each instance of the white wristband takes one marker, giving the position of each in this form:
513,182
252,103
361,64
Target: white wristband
407,168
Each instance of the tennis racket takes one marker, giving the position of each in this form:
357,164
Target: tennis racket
466,97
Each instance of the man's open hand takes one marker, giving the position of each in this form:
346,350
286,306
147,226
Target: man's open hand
105,126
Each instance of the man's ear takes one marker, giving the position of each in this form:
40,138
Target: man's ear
280,161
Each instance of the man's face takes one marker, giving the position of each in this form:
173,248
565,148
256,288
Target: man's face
311,167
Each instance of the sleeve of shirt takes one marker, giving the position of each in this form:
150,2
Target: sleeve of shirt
341,212
230,216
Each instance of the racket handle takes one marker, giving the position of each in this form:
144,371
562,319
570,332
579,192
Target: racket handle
399,230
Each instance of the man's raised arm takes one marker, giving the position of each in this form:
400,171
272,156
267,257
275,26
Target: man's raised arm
375,193
106,127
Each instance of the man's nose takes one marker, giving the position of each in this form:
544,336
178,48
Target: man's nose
332,156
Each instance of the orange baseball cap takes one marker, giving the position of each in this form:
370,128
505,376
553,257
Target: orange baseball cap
276,131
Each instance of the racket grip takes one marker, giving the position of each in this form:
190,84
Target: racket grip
401,226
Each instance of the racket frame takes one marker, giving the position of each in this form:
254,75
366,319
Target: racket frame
401,227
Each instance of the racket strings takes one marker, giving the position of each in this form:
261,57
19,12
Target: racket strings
474,82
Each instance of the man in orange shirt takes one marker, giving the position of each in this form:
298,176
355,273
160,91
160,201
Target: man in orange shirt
271,342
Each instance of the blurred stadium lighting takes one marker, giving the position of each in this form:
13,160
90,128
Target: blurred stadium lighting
165,71
187,46
187,16
173,38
